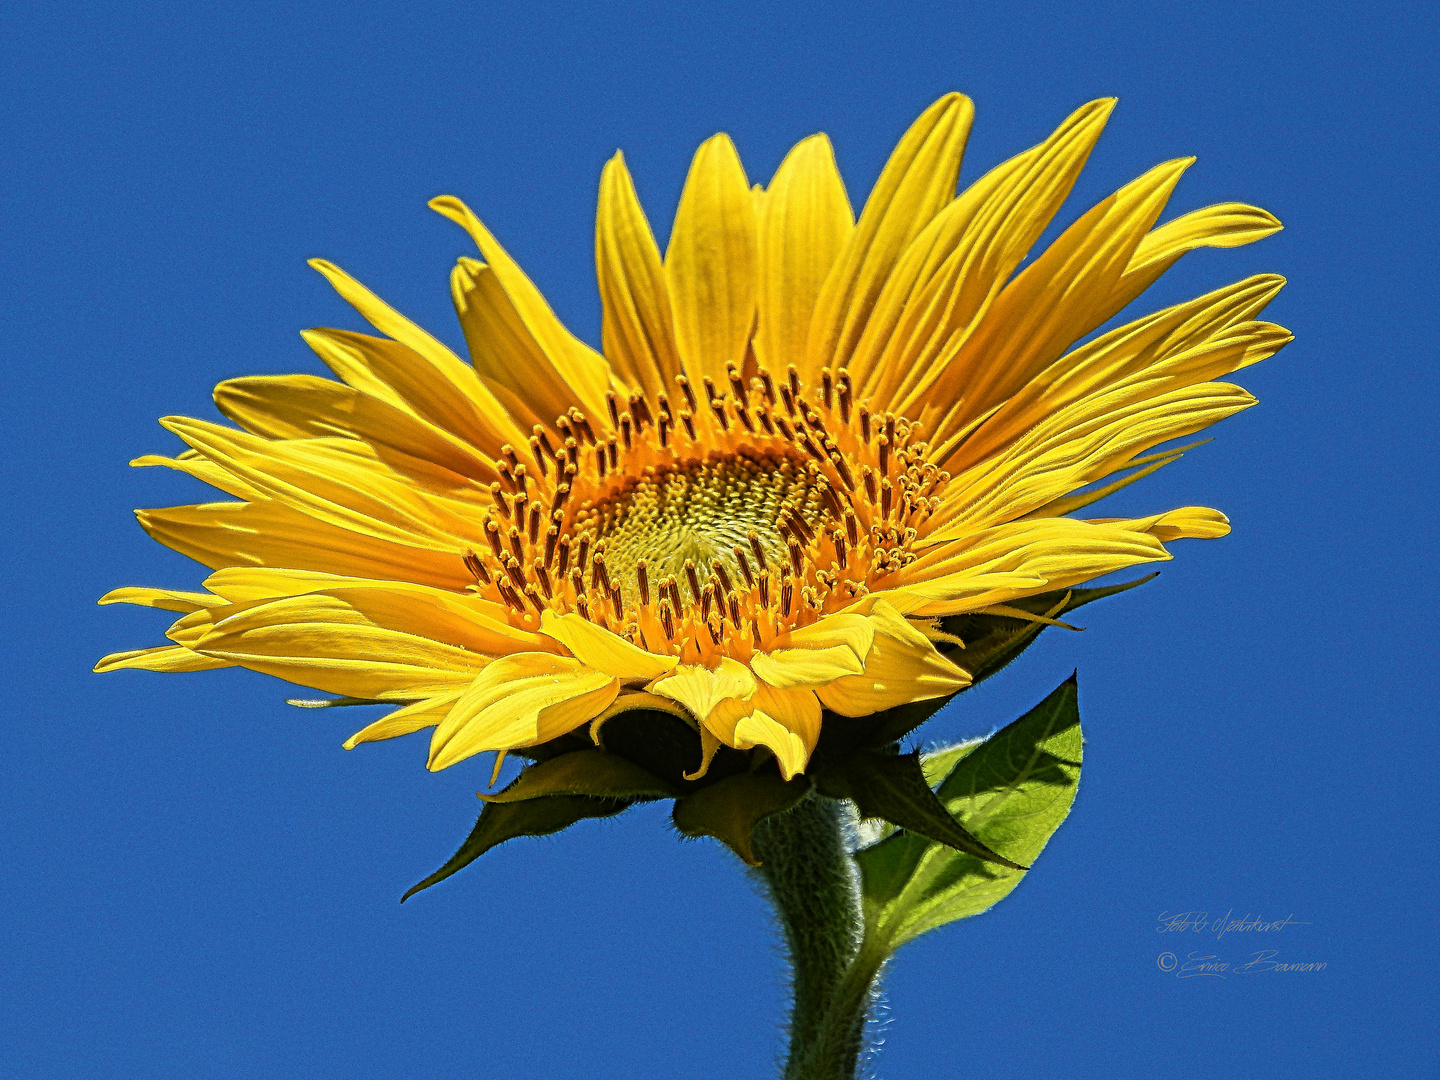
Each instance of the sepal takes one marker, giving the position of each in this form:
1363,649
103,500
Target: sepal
591,772
730,809
893,787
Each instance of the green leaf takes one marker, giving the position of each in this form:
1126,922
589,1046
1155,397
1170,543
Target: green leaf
993,641
893,787
937,763
499,822
583,772
1012,791
730,810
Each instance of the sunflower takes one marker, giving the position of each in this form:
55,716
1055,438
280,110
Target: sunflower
809,442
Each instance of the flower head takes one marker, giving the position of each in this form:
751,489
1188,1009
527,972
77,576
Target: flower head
808,441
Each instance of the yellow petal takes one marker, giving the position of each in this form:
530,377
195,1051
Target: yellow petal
711,263
805,667
518,701
786,721
168,599
700,689
917,181
604,651
266,533
307,407
954,269
1050,304
168,658
1226,225
804,225
409,718
331,644
478,415
636,328
561,361
902,667
206,472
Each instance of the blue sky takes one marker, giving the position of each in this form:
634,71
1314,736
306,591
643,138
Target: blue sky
200,883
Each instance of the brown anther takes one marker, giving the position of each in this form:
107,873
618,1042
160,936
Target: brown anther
764,416
797,557
522,501
572,451
600,461
583,607
562,492
744,564
617,604
764,588
799,526
507,594
787,594
841,551
507,475
501,502
562,424
867,474
640,410
583,555
522,478
667,620
599,574
665,407
625,431
732,608
564,562
744,415
664,428
789,399
864,422
890,427
709,389
843,468
509,452
785,429
688,391
612,451
723,577
552,535
543,578
539,456
689,421
832,501
887,494
707,601
769,384
754,538
672,590
642,579
693,578
718,408
577,581
714,637
515,570
844,396
544,440
827,387
492,533
532,531
614,408
517,542
808,445
585,429
794,376
852,528
477,568
883,455
738,386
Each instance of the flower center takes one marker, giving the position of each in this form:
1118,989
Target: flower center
701,512
691,528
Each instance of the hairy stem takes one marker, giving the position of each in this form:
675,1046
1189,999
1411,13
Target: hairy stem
815,887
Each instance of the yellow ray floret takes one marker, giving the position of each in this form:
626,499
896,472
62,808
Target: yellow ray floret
807,436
